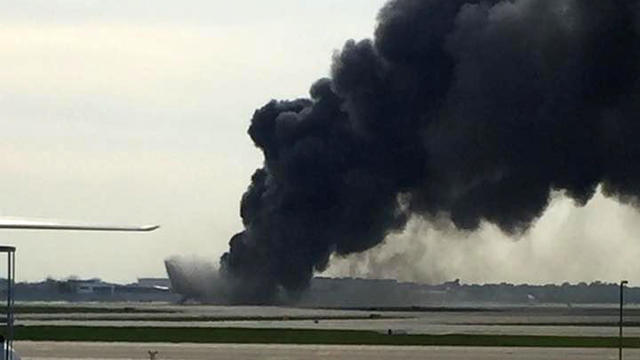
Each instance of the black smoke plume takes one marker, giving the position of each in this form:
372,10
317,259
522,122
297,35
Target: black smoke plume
475,110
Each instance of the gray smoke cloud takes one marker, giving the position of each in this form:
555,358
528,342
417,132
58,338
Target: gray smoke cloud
598,241
195,278
472,111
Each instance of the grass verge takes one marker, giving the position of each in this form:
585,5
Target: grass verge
301,336
141,317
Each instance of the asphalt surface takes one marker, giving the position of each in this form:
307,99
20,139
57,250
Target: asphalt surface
89,351
558,320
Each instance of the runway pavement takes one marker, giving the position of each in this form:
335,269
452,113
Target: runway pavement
90,351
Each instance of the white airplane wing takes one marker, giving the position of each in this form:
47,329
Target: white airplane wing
29,224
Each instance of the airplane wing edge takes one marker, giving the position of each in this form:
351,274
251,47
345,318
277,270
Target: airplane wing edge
52,225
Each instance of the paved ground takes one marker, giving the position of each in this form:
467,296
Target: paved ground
61,350
559,320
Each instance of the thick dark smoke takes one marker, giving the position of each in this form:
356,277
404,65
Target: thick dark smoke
475,110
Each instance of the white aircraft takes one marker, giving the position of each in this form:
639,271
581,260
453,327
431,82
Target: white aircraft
8,353
33,224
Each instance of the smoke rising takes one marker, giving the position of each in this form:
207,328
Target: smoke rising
474,111
195,278
567,243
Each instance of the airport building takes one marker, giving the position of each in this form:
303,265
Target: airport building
145,289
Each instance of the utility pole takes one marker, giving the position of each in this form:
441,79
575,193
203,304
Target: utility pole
622,283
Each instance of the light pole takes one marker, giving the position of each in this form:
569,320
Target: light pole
622,283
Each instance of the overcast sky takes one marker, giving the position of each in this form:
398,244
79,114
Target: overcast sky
136,112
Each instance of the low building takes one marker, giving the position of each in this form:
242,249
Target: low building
93,286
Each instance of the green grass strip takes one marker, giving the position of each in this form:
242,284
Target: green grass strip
207,318
301,336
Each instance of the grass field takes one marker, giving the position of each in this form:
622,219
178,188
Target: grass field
142,317
300,336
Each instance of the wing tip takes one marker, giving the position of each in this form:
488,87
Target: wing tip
149,228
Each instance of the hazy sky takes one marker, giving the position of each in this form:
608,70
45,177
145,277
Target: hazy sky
136,112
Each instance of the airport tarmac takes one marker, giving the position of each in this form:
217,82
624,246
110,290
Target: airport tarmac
93,351
534,320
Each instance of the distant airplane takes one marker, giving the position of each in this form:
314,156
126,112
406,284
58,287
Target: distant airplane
6,348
